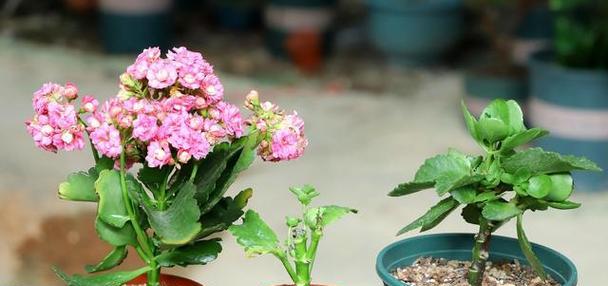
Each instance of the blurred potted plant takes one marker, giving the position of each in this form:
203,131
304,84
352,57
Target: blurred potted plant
303,235
129,26
415,32
569,86
237,14
498,75
494,188
300,30
170,117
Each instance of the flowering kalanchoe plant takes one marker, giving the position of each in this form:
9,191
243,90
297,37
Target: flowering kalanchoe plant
304,235
499,186
170,117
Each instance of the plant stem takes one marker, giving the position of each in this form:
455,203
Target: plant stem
142,238
193,174
480,252
283,257
93,150
302,262
162,193
312,250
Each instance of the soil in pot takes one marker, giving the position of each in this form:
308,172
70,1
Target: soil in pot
165,280
429,271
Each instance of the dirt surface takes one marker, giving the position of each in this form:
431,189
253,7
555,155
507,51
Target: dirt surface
428,271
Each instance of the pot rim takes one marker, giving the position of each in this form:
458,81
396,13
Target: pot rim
544,60
386,276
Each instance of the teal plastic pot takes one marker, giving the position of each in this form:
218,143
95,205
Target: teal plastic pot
481,89
458,246
415,32
573,105
131,26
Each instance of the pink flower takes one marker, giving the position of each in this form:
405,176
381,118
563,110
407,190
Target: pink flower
139,69
145,127
191,76
231,117
106,139
161,74
62,116
286,144
89,104
212,88
159,154
69,140
42,133
70,91
46,93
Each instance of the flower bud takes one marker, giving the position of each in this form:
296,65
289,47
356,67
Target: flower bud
70,91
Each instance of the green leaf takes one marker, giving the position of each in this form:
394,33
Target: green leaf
108,279
178,224
537,161
111,208
539,186
318,218
526,248
448,171
79,186
464,195
224,214
507,112
437,220
255,235
153,178
485,196
492,129
499,210
522,138
471,214
564,205
470,121
410,188
104,163
305,193
561,187
437,211
199,253
114,235
112,260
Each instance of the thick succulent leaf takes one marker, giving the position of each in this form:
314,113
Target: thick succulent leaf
537,161
533,203
564,205
178,224
108,279
507,112
320,217
255,235
224,214
153,178
499,210
539,186
471,214
438,220
437,211
562,186
111,208
522,138
305,193
492,129
114,235
410,188
464,195
448,171
485,196
79,186
470,121
113,259
526,248
199,253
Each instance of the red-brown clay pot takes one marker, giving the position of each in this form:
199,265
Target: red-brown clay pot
165,280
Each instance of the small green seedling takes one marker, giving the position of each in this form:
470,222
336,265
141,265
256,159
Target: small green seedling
304,234
498,186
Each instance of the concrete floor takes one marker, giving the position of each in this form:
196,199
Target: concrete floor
361,145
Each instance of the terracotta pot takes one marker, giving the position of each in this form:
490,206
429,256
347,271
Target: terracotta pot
165,280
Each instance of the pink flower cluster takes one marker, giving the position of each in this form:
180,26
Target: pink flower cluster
55,125
284,134
168,111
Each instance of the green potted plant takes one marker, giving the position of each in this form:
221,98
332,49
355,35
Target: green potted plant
414,32
496,74
170,119
299,250
501,185
569,86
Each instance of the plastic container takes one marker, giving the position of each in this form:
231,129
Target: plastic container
459,246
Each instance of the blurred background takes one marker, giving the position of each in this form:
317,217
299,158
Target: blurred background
379,83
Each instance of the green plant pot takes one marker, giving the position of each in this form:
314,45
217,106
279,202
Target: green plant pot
415,33
458,246
573,105
481,89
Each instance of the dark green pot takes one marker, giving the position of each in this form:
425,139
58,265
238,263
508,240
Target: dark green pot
458,246
481,89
